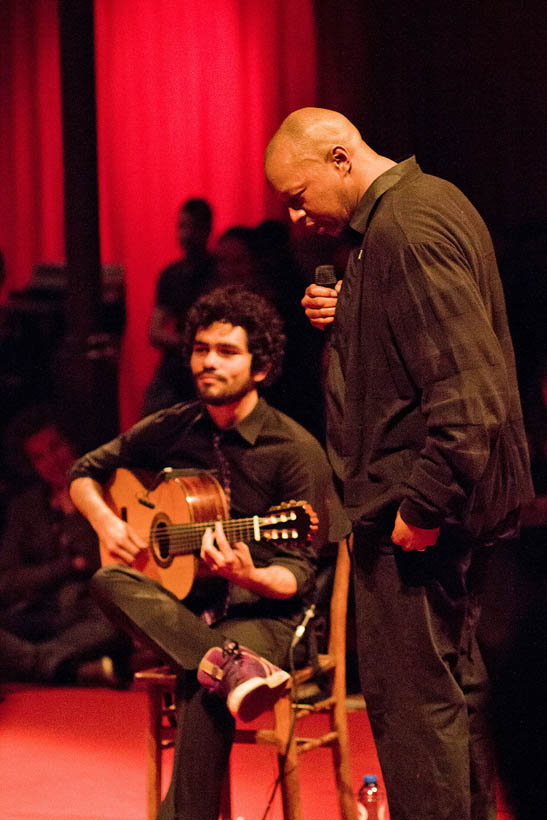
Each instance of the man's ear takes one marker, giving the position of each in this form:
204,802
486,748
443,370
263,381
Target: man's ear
341,158
260,375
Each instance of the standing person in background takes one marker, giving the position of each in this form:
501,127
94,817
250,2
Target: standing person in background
178,286
425,433
299,390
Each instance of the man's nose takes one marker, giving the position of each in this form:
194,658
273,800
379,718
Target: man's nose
297,215
209,360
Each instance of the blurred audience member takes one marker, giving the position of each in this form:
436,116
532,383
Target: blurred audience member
51,631
298,392
519,721
178,286
238,261
523,269
535,408
519,717
517,572
534,515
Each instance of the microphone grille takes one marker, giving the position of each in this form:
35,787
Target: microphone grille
325,275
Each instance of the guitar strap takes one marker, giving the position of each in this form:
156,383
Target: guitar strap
218,608
224,468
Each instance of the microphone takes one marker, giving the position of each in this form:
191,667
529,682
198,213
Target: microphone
325,276
301,628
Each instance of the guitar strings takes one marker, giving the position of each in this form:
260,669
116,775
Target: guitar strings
186,537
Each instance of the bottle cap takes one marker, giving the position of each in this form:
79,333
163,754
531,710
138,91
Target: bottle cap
370,779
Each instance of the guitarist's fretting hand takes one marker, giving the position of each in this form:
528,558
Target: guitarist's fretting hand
221,558
234,562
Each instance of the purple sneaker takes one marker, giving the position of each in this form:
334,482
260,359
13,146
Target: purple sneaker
249,683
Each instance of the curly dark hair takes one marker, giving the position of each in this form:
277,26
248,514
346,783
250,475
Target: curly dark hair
242,308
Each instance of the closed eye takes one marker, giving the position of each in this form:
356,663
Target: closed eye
225,350
295,201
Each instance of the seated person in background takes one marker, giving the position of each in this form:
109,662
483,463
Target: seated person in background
535,413
518,715
255,594
178,286
51,630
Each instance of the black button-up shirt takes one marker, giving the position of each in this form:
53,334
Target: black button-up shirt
271,459
423,407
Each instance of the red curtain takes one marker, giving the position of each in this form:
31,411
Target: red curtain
188,94
31,170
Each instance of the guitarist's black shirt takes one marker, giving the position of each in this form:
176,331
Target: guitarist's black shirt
271,459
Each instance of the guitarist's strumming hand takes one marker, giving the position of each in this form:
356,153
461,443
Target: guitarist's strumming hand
116,536
234,562
120,539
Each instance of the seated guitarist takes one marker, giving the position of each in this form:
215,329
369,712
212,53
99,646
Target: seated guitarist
230,644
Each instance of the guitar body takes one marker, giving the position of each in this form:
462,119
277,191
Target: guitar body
183,499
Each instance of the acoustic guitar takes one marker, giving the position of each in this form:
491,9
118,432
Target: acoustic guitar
172,514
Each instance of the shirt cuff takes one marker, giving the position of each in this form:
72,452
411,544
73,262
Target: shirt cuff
418,517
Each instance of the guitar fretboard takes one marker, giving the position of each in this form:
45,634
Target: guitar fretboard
186,538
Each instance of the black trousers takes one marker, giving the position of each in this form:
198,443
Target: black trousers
423,676
181,638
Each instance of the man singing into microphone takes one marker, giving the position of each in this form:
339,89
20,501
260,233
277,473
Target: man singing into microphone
256,594
425,434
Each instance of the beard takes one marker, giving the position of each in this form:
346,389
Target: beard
219,393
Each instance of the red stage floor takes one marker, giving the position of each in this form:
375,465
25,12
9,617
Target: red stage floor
79,754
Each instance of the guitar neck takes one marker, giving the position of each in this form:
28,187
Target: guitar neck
186,538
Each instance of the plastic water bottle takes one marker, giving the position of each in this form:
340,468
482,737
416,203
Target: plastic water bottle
371,802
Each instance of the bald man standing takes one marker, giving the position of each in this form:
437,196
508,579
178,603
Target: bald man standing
426,437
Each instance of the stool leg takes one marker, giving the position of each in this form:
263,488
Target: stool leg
341,762
288,760
153,751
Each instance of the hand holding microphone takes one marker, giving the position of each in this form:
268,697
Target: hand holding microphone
320,299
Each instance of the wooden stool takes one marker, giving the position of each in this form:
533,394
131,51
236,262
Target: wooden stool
159,684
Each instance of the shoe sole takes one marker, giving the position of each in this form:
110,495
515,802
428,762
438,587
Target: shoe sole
256,695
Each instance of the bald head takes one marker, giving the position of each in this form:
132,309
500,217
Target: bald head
318,160
311,132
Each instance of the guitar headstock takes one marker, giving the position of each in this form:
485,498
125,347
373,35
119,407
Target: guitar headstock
289,521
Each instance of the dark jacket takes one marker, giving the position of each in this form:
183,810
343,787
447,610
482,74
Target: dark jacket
424,410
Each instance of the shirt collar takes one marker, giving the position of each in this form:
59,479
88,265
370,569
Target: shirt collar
381,184
250,427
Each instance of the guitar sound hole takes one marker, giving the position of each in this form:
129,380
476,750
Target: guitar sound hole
161,540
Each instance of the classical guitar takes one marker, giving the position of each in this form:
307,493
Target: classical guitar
173,513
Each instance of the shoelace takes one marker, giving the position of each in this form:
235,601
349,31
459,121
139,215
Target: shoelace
230,648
